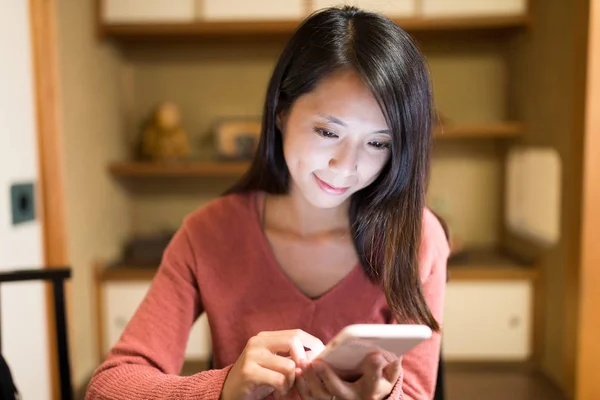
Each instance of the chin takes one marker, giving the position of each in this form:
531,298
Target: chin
320,199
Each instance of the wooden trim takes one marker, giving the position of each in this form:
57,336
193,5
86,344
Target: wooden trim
126,274
493,274
51,189
99,12
198,168
100,315
537,329
242,29
587,385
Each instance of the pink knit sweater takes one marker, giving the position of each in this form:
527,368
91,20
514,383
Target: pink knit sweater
220,262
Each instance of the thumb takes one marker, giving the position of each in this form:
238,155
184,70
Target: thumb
392,371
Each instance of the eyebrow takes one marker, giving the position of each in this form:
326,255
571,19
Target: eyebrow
338,121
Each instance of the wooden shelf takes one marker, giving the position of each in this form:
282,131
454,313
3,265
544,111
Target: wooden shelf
485,264
190,169
496,130
489,265
245,29
180,169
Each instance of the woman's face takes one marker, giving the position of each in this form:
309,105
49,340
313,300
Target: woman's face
335,140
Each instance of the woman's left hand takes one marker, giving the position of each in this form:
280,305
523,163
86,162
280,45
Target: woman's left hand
318,381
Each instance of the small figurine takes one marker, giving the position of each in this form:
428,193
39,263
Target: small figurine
163,137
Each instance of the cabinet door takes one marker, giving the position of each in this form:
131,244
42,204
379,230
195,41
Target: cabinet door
487,321
148,11
121,300
469,8
230,10
390,8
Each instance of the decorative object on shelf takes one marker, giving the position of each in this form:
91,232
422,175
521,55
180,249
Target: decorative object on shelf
146,250
163,138
237,139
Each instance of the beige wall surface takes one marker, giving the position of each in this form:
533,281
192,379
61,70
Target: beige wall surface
97,211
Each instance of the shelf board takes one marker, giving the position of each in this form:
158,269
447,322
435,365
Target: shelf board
244,29
178,169
190,169
473,265
495,130
489,265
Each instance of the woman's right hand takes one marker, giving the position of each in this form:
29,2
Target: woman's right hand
261,370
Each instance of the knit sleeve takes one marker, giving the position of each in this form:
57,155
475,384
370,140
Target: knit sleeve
420,365
146,361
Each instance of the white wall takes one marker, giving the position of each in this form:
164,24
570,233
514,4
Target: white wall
23,324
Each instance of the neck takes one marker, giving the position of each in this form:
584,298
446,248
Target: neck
292,212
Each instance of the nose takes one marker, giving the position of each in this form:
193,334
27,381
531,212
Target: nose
345,161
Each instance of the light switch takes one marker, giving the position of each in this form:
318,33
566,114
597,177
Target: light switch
22,202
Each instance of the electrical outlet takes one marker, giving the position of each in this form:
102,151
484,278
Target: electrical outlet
22,202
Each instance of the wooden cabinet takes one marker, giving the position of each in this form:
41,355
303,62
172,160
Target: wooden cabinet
473,8
147,11
231,10
120,300
396,8
488,320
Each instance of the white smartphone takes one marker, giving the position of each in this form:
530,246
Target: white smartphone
351,345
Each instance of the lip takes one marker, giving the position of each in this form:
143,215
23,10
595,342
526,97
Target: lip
327,188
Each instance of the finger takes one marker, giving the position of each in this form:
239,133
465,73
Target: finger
372,368
332,382
315,385
265,376
278,364
373,365
302,388
309,341
297,352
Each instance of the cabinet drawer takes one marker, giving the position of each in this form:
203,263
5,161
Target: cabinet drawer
488,321
121,300
230,10
390,8
471,8
148,11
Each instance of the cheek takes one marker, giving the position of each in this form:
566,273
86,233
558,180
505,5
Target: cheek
372,166
303,152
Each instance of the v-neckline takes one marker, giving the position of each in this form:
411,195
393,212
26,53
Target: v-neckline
257,200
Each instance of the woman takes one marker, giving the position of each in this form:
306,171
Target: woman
327,229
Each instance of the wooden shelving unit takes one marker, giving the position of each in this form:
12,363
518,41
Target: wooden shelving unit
245,29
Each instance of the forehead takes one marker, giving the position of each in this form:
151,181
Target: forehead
344,95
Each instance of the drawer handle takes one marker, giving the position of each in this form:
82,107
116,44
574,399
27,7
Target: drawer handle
514,322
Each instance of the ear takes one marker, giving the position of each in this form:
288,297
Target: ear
281,121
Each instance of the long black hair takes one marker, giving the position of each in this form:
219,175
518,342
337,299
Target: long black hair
385,217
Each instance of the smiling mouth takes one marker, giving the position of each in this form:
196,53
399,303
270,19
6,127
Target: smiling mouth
327,188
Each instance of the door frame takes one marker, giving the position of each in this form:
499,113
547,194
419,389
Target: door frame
50,155
588,348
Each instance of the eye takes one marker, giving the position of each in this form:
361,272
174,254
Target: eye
380,145
325,133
